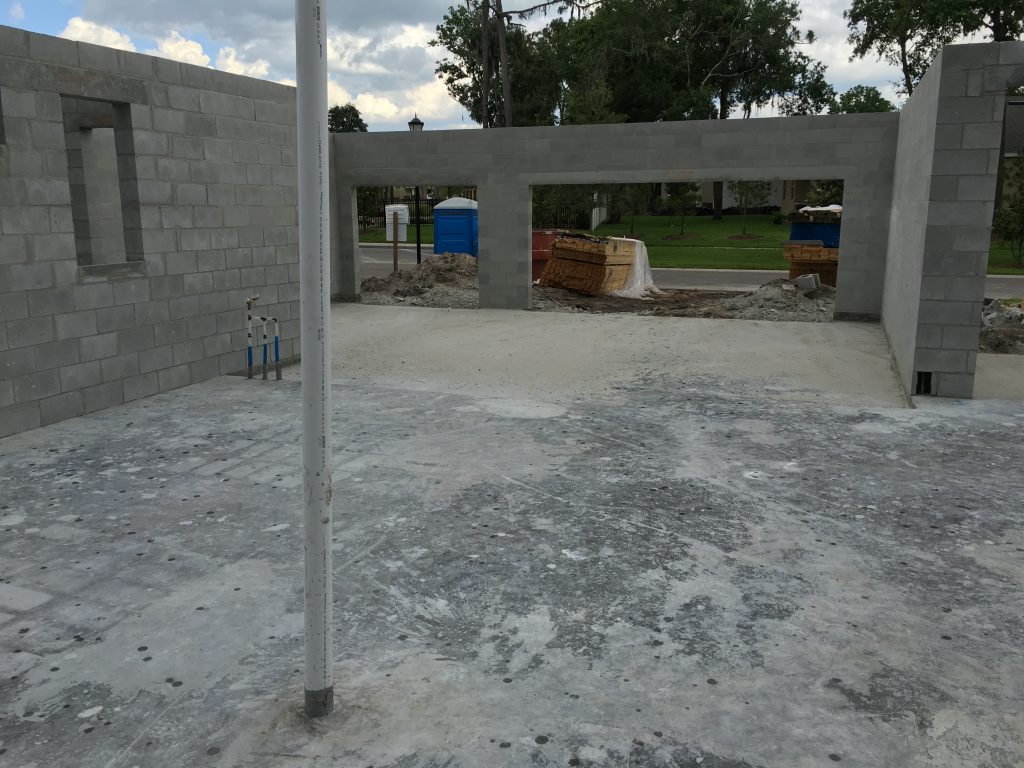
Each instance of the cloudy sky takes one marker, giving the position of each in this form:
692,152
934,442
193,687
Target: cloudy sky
379,53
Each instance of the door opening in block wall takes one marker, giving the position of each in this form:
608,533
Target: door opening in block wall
453,282
675,221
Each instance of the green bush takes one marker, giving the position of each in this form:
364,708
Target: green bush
1008,225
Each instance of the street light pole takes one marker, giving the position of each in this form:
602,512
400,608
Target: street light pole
315,310
416,125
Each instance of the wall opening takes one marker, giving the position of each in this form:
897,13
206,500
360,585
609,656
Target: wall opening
451,281
101,174
924,383
1002,311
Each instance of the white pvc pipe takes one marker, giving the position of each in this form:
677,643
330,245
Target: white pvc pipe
314,293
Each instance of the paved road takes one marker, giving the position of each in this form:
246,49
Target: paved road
377,263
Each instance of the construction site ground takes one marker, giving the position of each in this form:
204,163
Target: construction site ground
450,281
560,540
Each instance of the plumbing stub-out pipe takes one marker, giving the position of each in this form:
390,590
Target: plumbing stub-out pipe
277,349
266,347
266,361
249,304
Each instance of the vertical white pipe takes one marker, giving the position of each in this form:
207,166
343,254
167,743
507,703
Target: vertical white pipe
314,291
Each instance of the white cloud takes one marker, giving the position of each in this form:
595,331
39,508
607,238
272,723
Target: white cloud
373,107
91,32
17,12
431,102
175,46
228,60
417,36
378,52
336,93
352,54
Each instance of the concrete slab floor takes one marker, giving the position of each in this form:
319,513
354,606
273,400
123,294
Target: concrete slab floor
560,357
999,377
665,570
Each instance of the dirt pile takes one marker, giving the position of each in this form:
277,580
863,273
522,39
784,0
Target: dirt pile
778,300
1002,328
451,281
446,280
782,300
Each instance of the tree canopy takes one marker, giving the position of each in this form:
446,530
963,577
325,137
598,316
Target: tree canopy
632,60
861,98
909,33
345,119
905,33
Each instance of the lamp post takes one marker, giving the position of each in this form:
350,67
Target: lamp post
416,125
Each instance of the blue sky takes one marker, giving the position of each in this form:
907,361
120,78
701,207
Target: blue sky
379,57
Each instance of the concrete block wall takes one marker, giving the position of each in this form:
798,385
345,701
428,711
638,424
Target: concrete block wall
907,223
950,143
505,163
208,191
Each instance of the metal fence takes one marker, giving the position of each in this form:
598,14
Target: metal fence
565,216
373,202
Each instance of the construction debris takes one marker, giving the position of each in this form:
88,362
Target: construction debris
1002,328
446,280
451,281
782,300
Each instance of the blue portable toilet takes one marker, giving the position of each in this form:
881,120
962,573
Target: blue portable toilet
456,226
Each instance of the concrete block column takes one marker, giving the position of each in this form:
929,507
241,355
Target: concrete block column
506,217
862,245
345,253
958,229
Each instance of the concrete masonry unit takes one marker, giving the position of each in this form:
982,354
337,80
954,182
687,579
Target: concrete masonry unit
109,293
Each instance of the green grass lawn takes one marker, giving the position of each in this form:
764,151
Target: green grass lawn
709,244
1000,261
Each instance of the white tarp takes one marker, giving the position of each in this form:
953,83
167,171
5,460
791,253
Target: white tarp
640,284
824,209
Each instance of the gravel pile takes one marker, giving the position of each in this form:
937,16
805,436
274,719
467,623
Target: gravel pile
1002,328
782,300
447,280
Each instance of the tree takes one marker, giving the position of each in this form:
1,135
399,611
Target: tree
533,79
1001,20
745,53
750,194
824,192
861,98
345,119
1008,225
811,95
687,196
905,33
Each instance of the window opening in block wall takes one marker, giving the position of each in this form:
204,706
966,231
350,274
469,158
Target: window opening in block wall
101,175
